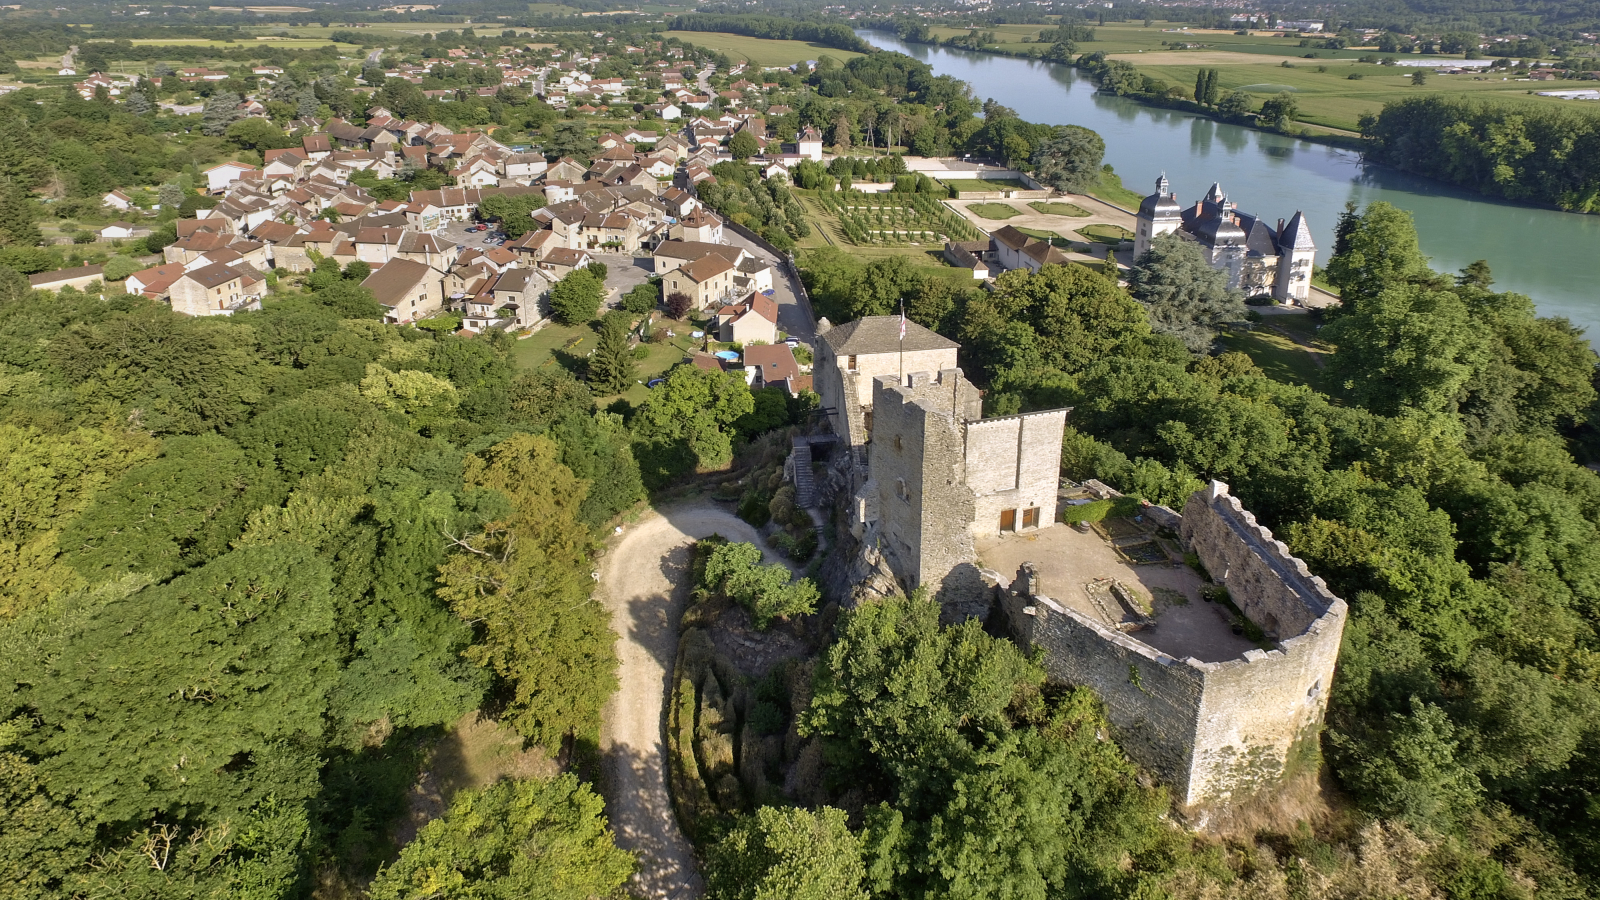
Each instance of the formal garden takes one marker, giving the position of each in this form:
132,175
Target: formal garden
895,219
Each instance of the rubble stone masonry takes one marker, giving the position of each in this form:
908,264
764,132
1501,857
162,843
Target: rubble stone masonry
1215,731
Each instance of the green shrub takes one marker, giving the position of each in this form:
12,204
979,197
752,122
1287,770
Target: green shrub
768,592
755,507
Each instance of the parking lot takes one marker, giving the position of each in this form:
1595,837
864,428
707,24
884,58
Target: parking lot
457,233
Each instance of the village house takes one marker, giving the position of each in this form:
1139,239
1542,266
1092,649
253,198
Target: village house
705,281
78,277
409,290
753,319
771,365
218,289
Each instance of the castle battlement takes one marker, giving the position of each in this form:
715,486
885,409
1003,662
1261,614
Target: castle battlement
1215,730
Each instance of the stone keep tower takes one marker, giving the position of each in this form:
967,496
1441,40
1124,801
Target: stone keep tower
1159,214
941,475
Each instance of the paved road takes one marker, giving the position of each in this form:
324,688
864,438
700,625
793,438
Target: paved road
644,585
792,316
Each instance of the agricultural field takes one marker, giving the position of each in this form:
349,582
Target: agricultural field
1321,80
892,220
759,51
292,43
1328,95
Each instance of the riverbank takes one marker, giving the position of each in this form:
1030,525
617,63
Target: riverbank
1273,176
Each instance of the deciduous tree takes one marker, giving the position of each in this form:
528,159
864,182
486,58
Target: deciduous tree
1071,160
576,298
524,581
516,838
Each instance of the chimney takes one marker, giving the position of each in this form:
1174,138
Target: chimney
1280,226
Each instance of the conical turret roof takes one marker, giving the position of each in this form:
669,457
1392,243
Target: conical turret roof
1297,234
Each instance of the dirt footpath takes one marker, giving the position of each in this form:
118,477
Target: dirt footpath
644,584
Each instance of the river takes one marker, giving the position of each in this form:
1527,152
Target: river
1551,256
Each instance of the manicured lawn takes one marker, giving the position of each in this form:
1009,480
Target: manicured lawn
984,184
1276,355
1111,191
538,350
759,51
576,341
1051,208
1106,234
994,210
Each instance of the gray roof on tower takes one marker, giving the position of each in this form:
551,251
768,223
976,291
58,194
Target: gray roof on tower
1163,203
1297,234
881,334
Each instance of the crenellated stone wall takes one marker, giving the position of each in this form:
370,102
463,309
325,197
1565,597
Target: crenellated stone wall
1215,731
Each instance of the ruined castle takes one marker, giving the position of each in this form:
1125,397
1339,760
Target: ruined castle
1214,731
923,476
927,473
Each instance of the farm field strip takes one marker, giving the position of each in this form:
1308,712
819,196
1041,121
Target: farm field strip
761,51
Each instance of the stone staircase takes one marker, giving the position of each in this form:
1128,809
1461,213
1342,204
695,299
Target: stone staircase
805,488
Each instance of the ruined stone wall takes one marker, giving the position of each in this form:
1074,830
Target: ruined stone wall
1151,699
1215,731
838,391
1288,684
1014,463
1271,587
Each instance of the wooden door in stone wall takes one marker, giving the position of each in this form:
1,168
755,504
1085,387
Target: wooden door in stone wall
1008,520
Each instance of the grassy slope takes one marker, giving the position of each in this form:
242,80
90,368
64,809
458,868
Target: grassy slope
541,349
1280,358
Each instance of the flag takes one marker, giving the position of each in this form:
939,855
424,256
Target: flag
902,323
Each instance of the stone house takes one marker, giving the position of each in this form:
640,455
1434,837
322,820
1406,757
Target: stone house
700,225
706,280
217,290
850,356
563,261
408,289
670,255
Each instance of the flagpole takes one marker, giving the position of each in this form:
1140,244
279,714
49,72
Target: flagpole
902,340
